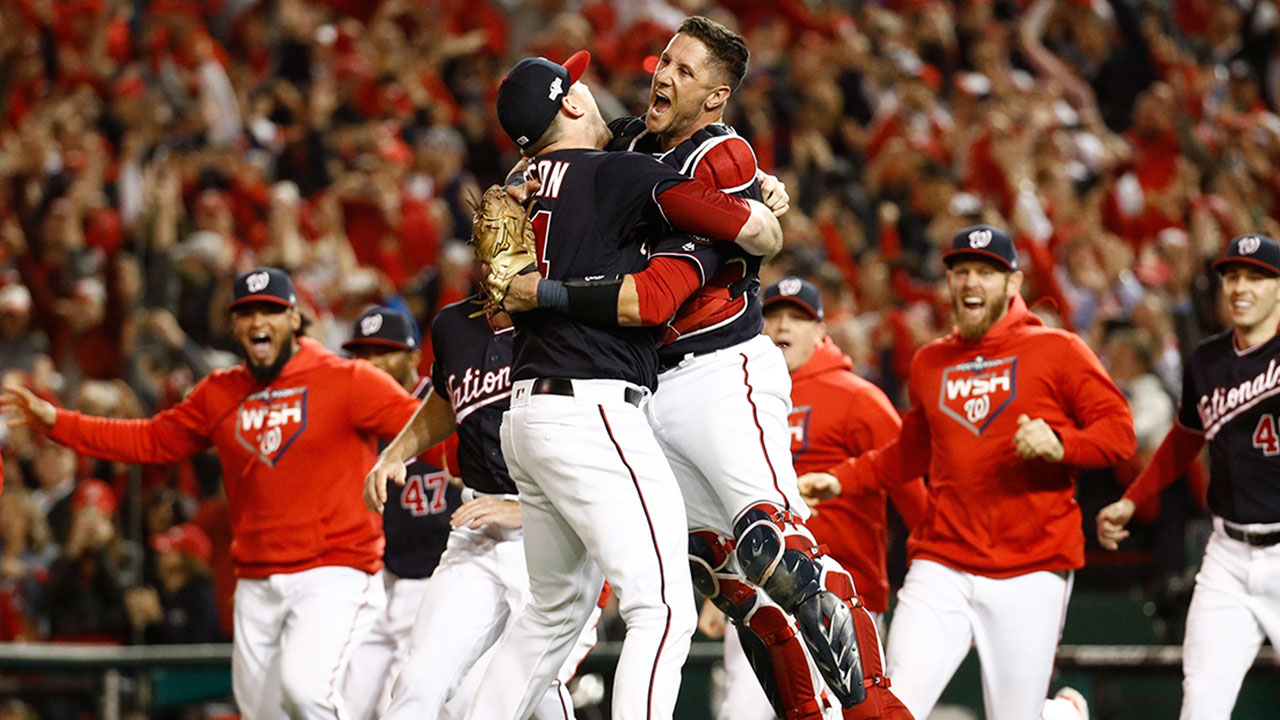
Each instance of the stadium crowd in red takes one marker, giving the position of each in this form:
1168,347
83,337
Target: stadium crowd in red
149,151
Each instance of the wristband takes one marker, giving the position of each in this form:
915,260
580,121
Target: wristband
553,295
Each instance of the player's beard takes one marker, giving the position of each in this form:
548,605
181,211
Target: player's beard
265,374
973,329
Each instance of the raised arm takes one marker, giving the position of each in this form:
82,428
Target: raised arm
173,435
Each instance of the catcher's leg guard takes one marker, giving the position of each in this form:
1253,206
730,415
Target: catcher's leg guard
768,638
782,559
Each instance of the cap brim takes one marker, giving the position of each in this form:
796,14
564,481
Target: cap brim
357,342
1220,264
259,298
951,255
813,313
577,64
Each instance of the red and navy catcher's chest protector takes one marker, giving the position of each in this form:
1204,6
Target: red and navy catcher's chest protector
726,310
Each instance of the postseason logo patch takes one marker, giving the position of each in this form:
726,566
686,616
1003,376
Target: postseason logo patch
975,392
269,421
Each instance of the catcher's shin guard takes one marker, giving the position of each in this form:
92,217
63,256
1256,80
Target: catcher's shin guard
769,639
782,559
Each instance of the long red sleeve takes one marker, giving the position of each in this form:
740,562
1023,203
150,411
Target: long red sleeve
173,435
897,463
663,287
698,208
1172,459
1104,433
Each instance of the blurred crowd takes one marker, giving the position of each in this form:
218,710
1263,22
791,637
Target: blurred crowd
152,149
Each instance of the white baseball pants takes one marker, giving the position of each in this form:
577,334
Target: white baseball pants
596,495
1236,604
376,662
721,420
480,584
294,636
1015,623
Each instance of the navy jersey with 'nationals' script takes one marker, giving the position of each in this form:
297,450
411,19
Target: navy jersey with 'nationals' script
593,215
472,370
416,516
1232,396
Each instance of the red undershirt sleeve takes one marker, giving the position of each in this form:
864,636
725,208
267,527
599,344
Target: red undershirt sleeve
1171,459
698,208
663,287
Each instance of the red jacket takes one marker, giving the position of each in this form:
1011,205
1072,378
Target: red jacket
293,464
990,512
838,415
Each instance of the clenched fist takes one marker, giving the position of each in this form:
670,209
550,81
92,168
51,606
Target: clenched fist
1035,439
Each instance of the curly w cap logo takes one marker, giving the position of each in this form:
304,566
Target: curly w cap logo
1249,245
268,422
974,393
371,325
979,239
789,286
257,282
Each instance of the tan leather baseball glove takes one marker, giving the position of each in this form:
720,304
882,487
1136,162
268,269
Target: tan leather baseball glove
502,237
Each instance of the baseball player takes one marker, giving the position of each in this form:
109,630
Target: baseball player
295,427
482,581
720,412
415,522
596,492
1230,400
1003,411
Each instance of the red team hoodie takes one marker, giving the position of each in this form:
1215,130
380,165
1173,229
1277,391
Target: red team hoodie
294,455
991,512
837,415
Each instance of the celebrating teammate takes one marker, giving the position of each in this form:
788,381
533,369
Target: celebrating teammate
1230,392
294,427
596,492
1018,407
415,523
482,580
720,412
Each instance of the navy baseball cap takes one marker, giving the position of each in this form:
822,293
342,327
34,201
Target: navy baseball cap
1257,250
798,292
530,94
384,326
264,284
986,242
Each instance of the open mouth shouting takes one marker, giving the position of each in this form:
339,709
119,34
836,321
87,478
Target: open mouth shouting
260,347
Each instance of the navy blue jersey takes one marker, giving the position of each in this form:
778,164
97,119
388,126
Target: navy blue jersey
593,216
472,370
1233,398
416,516
726,310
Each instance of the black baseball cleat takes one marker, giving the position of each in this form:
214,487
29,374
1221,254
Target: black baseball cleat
826,623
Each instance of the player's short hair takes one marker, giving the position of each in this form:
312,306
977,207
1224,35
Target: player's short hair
550,135
728,50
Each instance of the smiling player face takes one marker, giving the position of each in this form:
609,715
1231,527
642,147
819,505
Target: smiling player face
980,294
1252,296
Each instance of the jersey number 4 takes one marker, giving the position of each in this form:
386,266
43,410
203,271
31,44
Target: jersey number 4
1265,437
541,222
424,494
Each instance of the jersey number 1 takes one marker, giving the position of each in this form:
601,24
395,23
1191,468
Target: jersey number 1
1265,437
